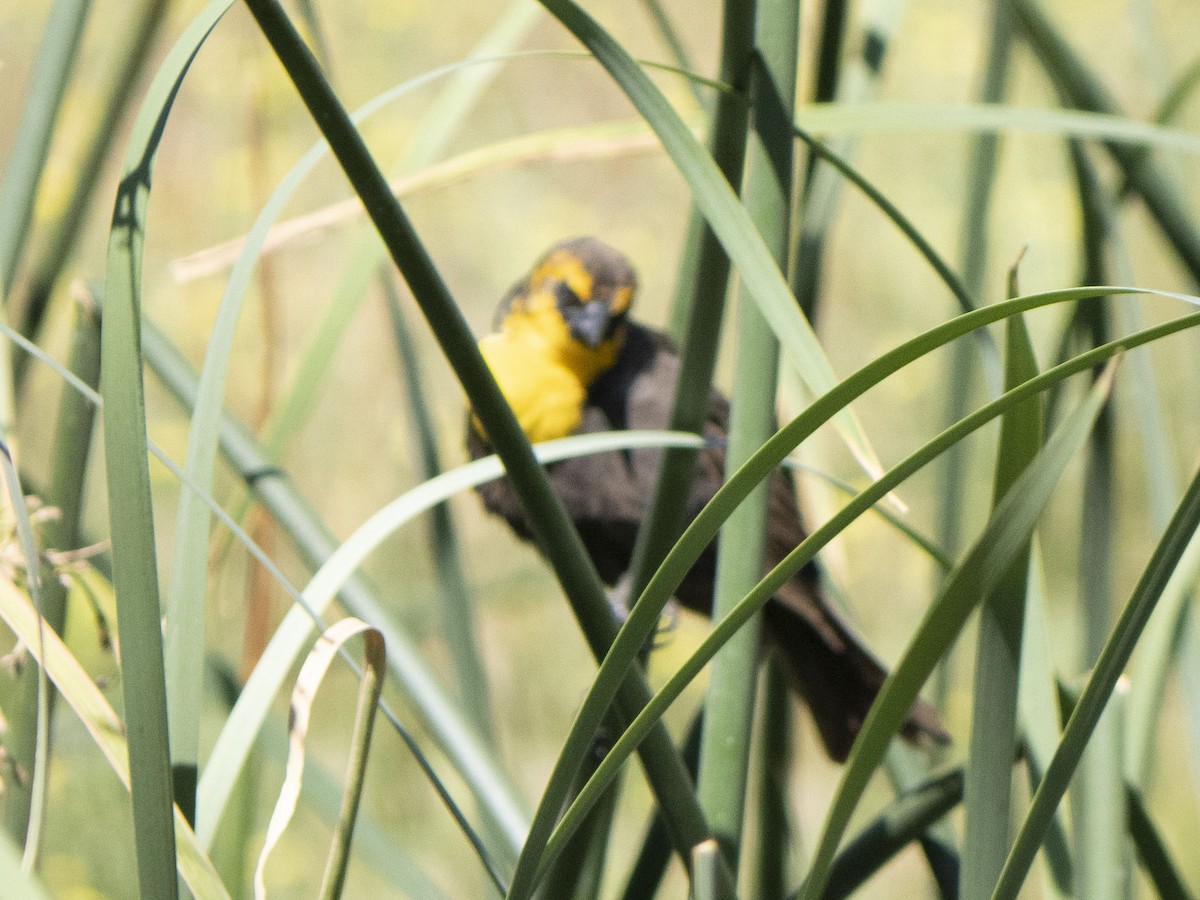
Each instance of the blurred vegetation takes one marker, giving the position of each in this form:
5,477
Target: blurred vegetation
1027,148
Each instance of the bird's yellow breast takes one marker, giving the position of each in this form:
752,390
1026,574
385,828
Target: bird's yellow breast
542,370
547,396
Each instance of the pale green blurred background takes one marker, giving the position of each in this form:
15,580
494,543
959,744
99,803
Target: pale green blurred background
237,128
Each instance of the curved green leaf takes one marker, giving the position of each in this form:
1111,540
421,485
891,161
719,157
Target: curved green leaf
238,734
1095,696
644,616
724,214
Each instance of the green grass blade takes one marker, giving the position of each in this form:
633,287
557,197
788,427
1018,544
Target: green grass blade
558,539
701,297
1169,634
37,713
1041,723
988,776
455,602
673,42
1100,686
983,160
72,444
579,873
727,217
910,769
1145,176
925,544
711,878
729,707
135,574
1149,676
645,876
903,821
61,244
360,743
948,276
1102,867
1185,84
643,617
1102,864
104,727
982,569
1152,851
56,55
853,77
883,117
973,241
767,860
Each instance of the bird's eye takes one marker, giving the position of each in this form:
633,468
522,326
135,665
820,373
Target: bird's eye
565,297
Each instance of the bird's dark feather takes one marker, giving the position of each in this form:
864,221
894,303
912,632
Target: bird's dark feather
608,495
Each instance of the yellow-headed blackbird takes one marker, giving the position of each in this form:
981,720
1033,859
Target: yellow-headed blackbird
569,360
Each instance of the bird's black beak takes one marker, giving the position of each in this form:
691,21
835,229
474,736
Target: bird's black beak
591,323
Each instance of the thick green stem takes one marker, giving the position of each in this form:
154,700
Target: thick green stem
725,747
705,307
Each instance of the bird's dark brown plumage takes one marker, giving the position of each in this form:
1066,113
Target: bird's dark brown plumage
607,496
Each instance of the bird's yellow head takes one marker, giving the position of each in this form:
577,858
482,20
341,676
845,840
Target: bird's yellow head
557,330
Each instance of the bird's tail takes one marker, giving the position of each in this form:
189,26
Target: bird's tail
835,673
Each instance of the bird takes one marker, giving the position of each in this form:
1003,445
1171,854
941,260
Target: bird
570,360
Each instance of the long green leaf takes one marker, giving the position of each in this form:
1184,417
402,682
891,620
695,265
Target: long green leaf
724,214
135,572
988,777
700,533
982,569
854,76
1102,868
902,822
699,306
189,568
559,541
890,116
729,707
37,717
371,684
1100,685
253,705
1041,722
56,56
1161,193
102,723
62,242
72,443
1152,851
